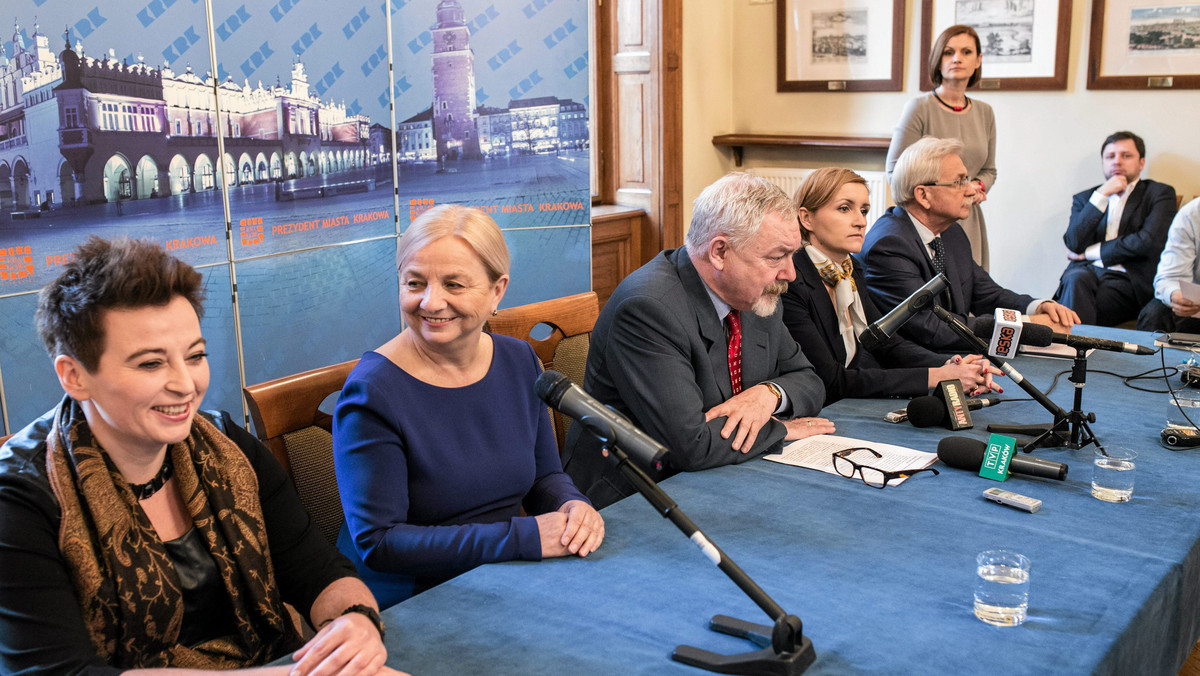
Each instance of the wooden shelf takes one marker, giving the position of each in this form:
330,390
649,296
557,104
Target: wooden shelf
738,142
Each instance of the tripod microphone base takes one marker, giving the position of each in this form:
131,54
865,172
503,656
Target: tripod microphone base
764,662
1050,435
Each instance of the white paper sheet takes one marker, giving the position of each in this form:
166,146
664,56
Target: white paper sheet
817,453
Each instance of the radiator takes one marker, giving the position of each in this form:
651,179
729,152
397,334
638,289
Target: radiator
790,178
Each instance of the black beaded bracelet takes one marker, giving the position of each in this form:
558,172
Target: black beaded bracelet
370,613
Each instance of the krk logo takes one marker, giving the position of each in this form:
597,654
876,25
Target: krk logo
16,262
152,11
86,25
306,40
282,7
181,44
525,85
504,55
416,207
234,22
252,230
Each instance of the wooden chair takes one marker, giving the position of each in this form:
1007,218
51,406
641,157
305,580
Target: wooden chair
5,438
565,350
287,419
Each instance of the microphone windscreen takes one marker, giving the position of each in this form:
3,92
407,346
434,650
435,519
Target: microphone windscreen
550,387
962,453
926,411
1032,335
1037,335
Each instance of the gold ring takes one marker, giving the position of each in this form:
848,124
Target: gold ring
810,423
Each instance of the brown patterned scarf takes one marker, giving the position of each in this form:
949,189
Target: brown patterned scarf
831,273
125,582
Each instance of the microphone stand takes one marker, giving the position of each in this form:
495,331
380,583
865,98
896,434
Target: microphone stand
783,648
1070,428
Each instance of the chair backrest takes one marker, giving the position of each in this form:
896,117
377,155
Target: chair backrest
5,438
287,419
565,350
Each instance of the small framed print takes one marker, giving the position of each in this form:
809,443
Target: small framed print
839,45
1145,44
1024,42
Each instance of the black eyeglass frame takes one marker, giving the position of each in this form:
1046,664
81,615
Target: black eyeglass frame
858,467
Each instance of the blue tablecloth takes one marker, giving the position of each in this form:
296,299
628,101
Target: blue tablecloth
882,579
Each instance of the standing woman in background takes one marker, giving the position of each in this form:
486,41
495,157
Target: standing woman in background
955,64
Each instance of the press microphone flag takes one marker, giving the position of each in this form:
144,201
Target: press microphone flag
1040,335
958,415
971,455
921,299
1007,334
562,395
930,411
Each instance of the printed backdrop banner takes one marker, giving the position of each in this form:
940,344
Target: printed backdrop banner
109,125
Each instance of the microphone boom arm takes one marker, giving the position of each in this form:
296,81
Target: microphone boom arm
783,648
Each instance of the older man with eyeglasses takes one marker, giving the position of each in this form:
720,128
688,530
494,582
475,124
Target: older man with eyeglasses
921,237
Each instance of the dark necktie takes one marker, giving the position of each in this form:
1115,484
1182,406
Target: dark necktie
733,322
939,255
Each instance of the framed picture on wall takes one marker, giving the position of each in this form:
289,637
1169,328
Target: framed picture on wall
1024,42
839,45
1145,44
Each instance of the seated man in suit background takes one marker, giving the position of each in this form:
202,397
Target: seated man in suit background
660,355
1180,262
921,237
1115,237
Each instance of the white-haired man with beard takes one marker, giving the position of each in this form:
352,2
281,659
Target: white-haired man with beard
921,237
691,346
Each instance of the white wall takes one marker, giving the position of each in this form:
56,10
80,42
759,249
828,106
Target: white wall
707,92
1048,142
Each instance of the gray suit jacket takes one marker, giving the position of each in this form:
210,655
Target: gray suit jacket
659,356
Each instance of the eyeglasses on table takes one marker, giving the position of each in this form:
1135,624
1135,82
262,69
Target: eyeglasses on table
871,476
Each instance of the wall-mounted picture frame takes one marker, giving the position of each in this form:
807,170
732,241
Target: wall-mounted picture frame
839,45
1144,44
1025,42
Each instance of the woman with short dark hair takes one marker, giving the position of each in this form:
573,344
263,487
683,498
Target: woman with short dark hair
138,532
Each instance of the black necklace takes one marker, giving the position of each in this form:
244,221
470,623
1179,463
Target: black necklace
143,491
957,109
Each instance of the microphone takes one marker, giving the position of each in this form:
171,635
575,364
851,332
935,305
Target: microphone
929,411
967,453
878,332
610,426
1040,335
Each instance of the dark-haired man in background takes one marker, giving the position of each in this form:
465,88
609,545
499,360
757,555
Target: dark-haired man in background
1116,236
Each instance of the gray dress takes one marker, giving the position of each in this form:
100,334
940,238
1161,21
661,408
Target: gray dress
976,128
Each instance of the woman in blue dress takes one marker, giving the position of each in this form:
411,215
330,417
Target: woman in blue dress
439,437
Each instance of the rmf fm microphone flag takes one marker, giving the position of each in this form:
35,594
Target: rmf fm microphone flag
1006,335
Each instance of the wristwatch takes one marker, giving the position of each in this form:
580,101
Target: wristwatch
777,391
372,615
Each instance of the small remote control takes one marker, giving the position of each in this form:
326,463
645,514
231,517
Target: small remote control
1012,499
897,416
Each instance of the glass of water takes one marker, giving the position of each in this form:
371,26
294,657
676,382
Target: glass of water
1001,587
1112,474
